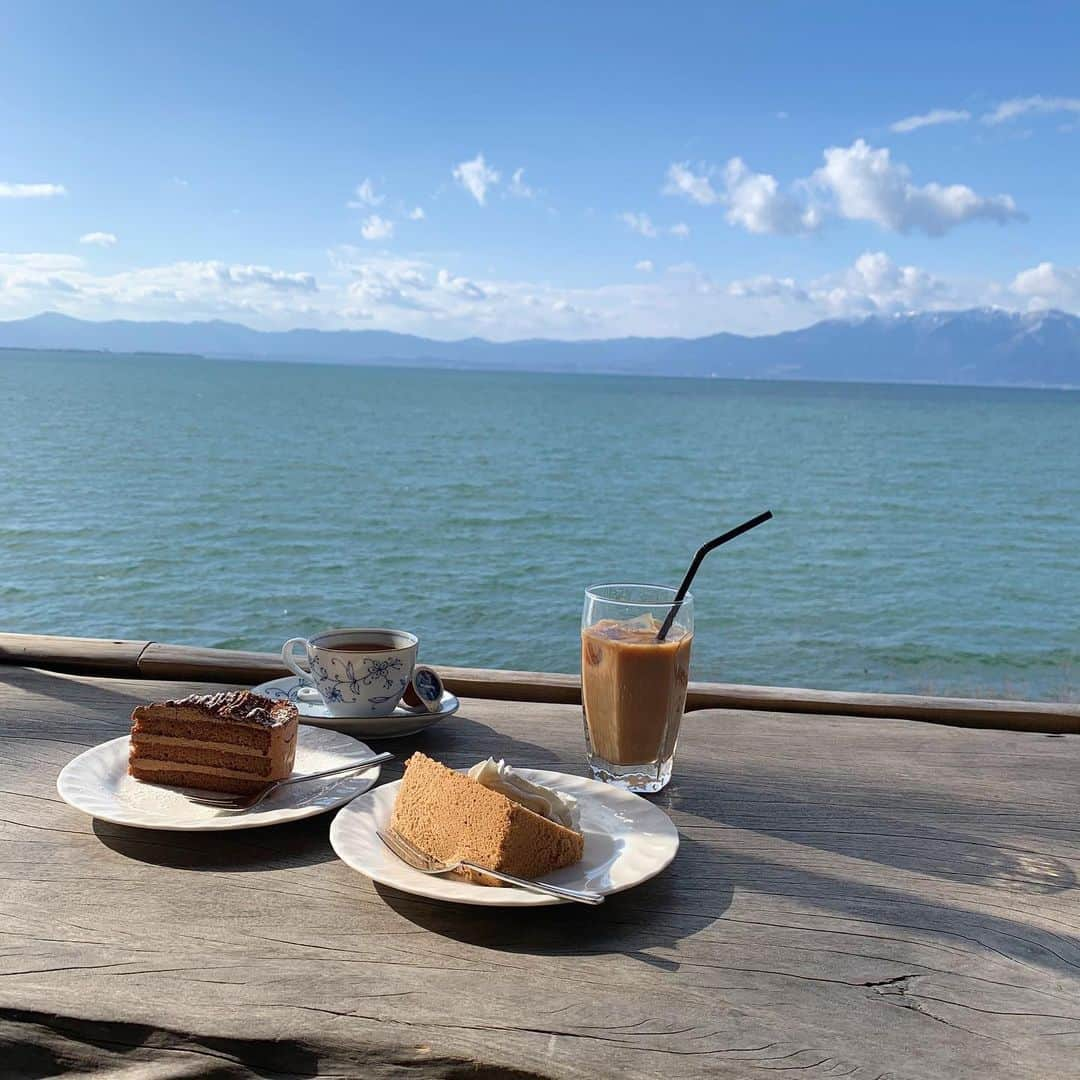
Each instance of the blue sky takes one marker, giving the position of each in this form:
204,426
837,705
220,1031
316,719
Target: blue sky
567,170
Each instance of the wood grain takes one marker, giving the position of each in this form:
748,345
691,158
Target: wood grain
92,656
155,660
853,897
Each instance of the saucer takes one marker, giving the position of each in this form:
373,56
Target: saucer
402,721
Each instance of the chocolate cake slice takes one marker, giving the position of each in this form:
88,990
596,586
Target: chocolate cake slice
234,741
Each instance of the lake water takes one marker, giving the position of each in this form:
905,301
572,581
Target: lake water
925,539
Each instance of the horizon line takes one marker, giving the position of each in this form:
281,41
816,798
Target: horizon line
849,320
461,369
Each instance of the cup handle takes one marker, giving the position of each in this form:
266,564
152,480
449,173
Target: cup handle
289,659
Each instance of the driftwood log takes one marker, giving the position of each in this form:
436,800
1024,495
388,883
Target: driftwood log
854,896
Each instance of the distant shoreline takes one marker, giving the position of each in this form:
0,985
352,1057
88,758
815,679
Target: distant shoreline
975,347
437,365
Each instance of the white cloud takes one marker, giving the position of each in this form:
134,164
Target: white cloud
411,295
365,196
43,261
518,187
874,284
878,284
756,202
459,286
697,187
416,214
376,228
645,266
930,119
765,286
31,191
866,185
643,225
99,239
856,183
186,290
1048,286
1015,107
476,177
639,223
417,297
381,284
253,275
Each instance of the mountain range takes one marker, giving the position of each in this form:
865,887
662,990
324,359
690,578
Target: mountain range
980,346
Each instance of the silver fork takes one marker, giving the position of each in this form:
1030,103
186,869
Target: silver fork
410,854
235,803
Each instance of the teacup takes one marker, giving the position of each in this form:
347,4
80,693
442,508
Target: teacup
358,672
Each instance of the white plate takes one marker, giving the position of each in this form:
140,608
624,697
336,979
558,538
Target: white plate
402,721
627,841
97,782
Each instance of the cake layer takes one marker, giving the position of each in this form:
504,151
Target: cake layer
193,777
450,816
187,724
158,749
201,744
159,765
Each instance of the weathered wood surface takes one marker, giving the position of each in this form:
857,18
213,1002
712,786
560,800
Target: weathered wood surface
90,656
853,897
155,660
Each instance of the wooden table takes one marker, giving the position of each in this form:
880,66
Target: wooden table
853,897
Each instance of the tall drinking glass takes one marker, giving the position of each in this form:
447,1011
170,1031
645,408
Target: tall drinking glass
633,687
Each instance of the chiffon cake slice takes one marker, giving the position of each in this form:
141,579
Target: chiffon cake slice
450,816
234,741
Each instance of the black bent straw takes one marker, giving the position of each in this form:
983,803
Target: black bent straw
702,551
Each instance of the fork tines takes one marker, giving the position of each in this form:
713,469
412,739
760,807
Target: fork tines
408,852
219,801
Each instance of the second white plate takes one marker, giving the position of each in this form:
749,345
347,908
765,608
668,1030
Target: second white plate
627,841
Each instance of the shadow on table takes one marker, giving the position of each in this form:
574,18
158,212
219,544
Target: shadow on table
106,692
85,713
794,808
631,923
276,847
51,1044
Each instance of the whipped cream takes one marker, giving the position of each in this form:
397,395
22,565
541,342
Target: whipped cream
554,805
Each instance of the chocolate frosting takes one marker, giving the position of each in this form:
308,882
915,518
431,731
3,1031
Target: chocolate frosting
240,705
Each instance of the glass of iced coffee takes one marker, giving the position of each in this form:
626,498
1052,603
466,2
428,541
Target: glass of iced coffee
633,685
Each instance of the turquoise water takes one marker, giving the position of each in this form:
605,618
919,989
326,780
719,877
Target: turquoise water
926,538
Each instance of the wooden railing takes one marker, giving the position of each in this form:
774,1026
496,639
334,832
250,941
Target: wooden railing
154,660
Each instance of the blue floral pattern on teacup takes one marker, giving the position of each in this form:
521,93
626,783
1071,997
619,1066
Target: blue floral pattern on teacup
374,671
344,681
